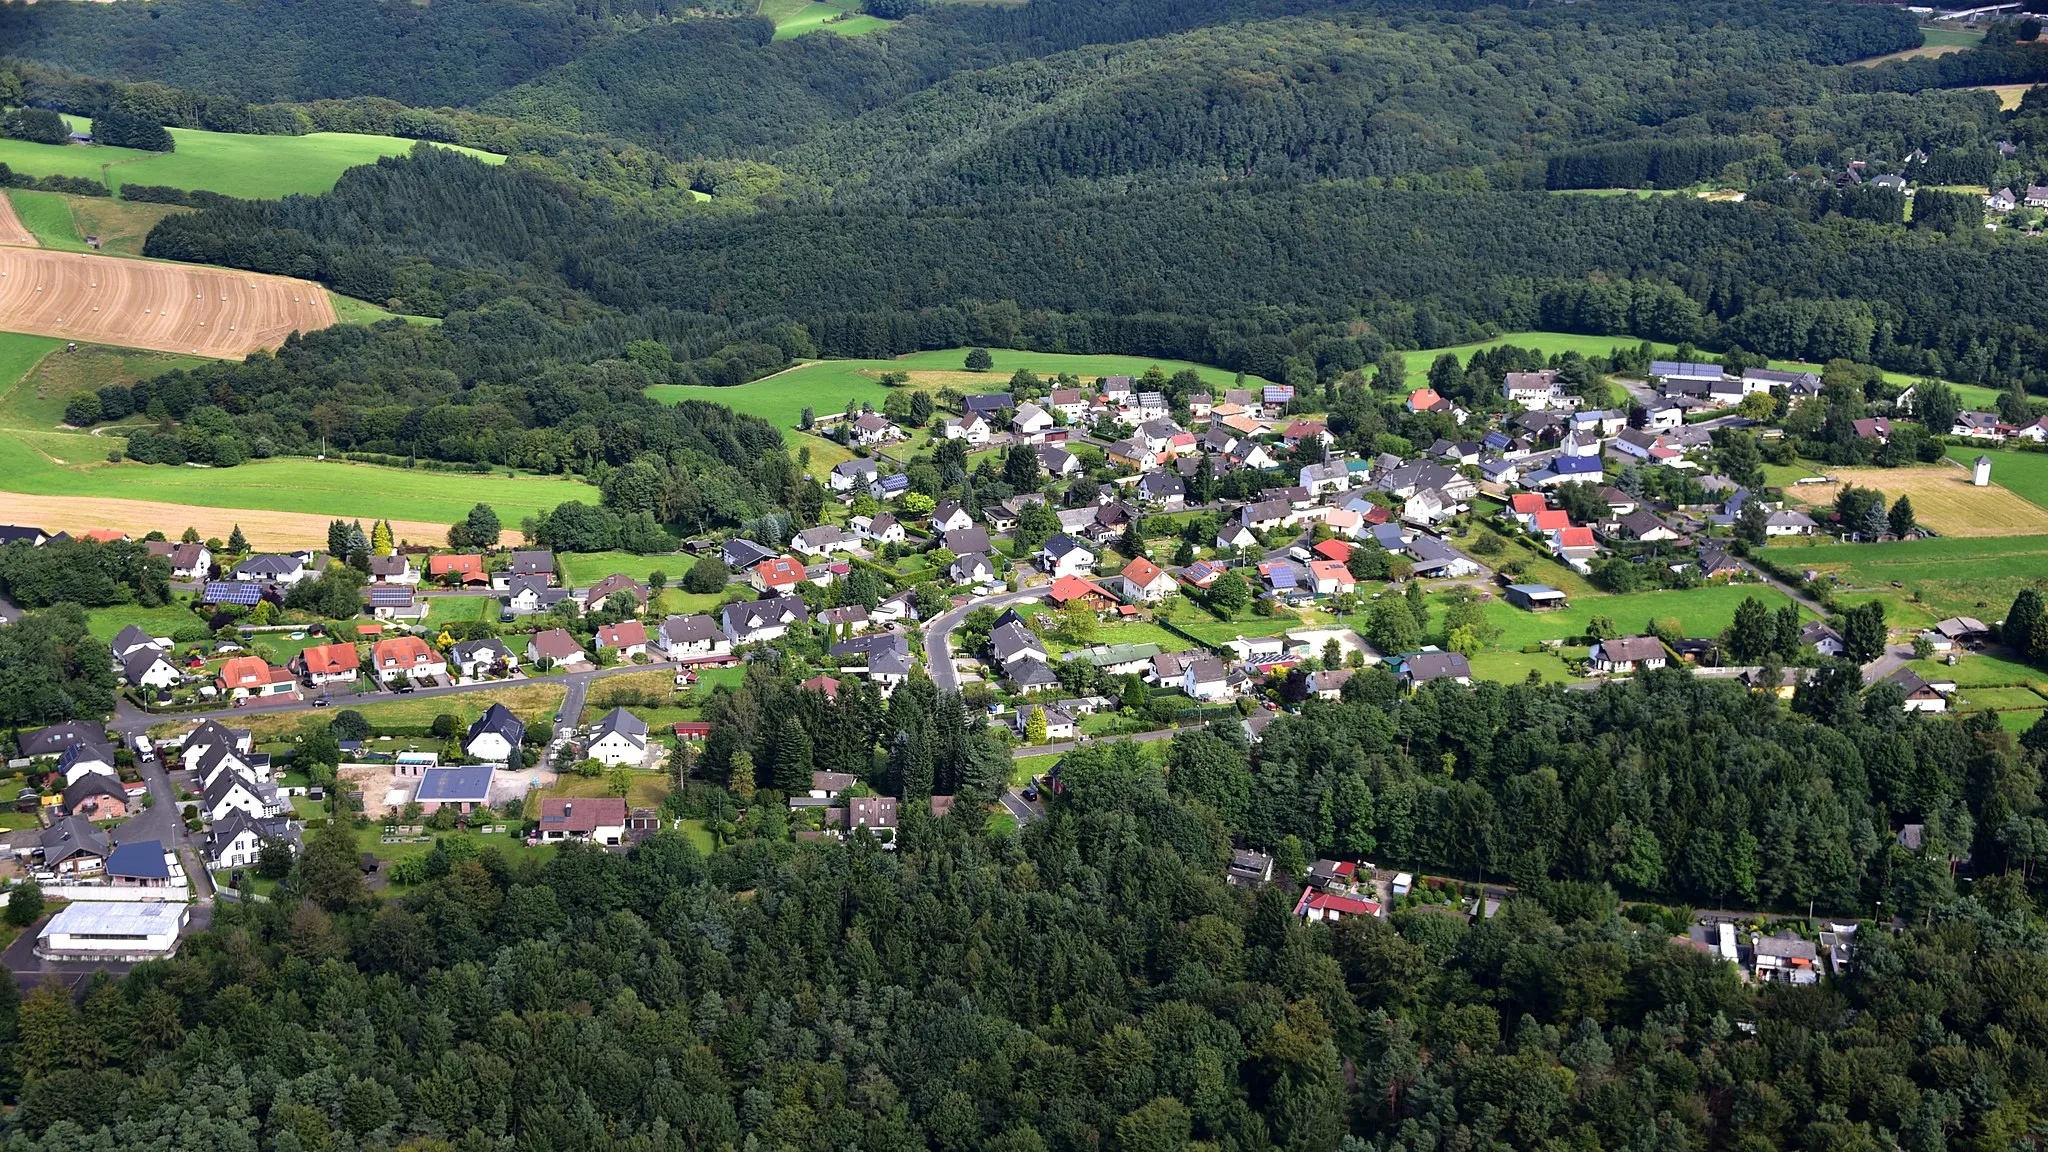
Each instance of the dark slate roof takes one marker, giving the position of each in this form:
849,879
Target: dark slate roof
142,860
499,719
468,783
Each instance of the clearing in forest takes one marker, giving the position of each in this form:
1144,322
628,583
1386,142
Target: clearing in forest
143,304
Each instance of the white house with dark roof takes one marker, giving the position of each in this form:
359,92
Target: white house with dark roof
619,738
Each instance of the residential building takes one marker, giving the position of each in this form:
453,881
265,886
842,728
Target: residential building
327,664
476,659
1062,555
466,570
776,575
406,657
628,638
688,639
1423,667
1621,655
1205,679
877,813
1144,581
616,584
1317,906
146,667
393,569
271,569
598,819
494,736
554,648
96,796
1533,389
246,676
236,840
619,738
762,620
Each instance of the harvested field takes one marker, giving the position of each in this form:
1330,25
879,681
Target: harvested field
165,307
77,514
1943,499
12,231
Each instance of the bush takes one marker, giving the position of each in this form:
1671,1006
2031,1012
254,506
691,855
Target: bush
445,725
24,904
349,724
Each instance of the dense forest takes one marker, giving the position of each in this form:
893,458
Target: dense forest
1091,984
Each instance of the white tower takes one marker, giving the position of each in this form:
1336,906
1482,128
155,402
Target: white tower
1982,476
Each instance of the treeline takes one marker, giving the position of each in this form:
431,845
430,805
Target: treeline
1766,805
1115,274
83,572
1644,163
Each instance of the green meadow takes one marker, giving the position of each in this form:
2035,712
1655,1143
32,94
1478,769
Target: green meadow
825,386
1937,578
2024,473
251,167
842,17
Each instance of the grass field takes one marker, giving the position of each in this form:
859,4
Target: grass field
106,623
1944,499
62,222
796,17
825,386
533,703
1944,577
1940,42
251,167
2009,95
586,568
349,310
38,400
2024,473
1700,612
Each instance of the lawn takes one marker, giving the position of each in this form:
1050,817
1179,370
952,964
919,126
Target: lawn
675,602
1023,768
251,167
648,791
1548,343
1998,699
105,623
1700,612
796,17
1213,632
586,568
1948,576
2023,473
462,609
1514,667
1981,670
2019,722
825,386
510,844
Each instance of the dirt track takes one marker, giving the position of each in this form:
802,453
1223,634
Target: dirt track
145,304
76,514
12,230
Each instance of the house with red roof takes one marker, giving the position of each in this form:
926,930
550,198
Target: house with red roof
598,819
327,664
1067,589
246,676
1331,578
466,570
1316,907
1145,581
406,657
627,637
1427,400
777,574
1550,520
1575,546
1333,549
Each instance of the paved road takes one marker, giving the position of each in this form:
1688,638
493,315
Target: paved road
938,635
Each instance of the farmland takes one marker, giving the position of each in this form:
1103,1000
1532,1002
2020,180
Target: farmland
251,167
145,304
1944,577
826,386
38,400
1943,499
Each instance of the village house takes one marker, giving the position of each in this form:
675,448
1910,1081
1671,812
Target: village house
1062,555
333,663
96,796
247,676
848,475
1625,654
1421,668
776,574
970,568
597,819
525,563
147,667
272,569
1144,581
627,637
406,657
614,585
528,595
393,569
476,659
762,620
881,529
465,789
465,570
554,648
1533,389
494,736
